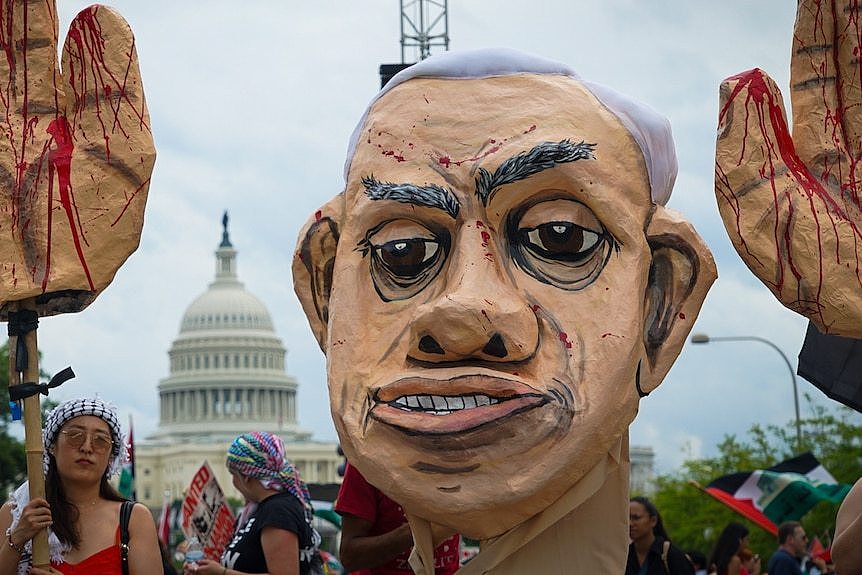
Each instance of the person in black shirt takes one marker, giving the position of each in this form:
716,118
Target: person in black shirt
274,534
651,552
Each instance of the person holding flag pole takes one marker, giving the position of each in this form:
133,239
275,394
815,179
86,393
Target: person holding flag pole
81,511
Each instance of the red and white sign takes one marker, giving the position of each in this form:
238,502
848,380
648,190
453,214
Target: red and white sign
206,514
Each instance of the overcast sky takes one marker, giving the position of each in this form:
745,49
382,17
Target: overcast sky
252,104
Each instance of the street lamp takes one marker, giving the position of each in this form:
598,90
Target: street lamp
704,338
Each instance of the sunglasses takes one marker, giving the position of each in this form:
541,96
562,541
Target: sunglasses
99,442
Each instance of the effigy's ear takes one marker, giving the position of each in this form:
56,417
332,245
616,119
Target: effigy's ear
313,264
681,273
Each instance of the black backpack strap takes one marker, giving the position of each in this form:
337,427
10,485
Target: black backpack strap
125,515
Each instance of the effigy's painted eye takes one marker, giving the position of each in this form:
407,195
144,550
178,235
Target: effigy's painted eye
404,258
559,242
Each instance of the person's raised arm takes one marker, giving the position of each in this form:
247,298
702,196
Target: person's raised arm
792,205
360,550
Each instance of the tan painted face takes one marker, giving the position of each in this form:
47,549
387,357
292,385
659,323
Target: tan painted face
485,339
491,290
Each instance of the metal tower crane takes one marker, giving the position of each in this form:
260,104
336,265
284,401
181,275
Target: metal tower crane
424,25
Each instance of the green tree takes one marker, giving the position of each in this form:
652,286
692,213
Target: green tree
694,519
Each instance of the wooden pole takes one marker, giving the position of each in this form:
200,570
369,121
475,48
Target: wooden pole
32,422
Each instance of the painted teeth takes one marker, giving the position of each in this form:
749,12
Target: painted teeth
442,404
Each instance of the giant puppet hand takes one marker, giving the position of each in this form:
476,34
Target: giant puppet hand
792,205
76,154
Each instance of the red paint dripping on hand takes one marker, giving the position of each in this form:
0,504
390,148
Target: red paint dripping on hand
60,163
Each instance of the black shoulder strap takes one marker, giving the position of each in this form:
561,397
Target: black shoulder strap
125,515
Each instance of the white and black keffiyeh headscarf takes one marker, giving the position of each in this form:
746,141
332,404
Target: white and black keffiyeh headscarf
86,406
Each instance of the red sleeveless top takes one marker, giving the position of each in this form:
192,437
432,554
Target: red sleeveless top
104,562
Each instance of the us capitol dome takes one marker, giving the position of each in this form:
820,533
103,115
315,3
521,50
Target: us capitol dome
227,377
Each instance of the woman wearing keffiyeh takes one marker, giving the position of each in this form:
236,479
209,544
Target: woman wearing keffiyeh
83,449
275,534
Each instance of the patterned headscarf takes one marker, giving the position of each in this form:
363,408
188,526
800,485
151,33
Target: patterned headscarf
86,406
261,455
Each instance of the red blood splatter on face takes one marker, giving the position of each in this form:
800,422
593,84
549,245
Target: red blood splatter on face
486,237
531,129
479,224
396,156
444,161
317,215
681,315
535,307
564,337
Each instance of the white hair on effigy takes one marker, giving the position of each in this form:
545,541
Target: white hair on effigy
650,130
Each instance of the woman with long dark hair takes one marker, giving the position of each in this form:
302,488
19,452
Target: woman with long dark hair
651,551
725,558
84,447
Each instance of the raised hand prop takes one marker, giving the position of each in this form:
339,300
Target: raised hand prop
791,202
76,154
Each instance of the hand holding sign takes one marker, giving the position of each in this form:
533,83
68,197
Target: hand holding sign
76,154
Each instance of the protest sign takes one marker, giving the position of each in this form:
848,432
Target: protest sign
206,514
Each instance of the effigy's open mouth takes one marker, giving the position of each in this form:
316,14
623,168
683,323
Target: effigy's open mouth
422,406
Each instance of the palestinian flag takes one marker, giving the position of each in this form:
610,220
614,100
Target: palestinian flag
784,492
126,486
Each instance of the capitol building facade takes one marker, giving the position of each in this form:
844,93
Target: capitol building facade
227,377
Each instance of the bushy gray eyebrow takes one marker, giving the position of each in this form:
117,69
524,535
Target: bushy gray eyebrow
539,158
429,195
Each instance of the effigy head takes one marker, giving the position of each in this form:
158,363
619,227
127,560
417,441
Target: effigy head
497,284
